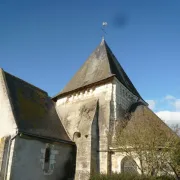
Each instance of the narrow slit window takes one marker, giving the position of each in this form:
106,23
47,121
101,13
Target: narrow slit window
47,159
47,155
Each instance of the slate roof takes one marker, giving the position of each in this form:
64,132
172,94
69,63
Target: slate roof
145,117
101,65
33,110
144,121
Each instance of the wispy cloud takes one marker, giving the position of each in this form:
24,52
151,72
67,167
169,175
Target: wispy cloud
169,97
167,108
169,117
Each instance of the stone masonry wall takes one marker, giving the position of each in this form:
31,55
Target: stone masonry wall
2,145
58,166
114,99
103,94
122,98
94,92
3,154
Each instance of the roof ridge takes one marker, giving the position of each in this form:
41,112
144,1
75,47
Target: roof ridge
100,65
93,70
103,42
117,63
31,85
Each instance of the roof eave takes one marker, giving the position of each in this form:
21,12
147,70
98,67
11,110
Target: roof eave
59,140
54,98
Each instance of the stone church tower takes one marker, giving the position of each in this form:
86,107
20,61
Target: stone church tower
67,136
95,98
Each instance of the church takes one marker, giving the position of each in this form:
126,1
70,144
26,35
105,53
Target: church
65,137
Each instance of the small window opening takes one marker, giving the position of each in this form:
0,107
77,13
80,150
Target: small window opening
47,159
47,155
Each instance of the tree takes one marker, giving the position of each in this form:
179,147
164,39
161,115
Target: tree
174,153
142,135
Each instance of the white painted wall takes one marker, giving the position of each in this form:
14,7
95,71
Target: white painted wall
7,121
28,160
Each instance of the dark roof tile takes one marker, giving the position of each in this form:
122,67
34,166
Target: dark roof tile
101,65
34,111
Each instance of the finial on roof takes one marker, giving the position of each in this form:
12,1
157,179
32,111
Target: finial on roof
102,42
104,24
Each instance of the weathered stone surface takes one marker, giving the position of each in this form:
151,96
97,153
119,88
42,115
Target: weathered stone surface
88,113
77,109
3,154
28,158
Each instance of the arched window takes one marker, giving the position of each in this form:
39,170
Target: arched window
128,165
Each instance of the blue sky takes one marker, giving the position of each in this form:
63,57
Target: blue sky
45,42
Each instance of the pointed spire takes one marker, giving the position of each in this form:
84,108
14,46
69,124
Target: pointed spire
101,65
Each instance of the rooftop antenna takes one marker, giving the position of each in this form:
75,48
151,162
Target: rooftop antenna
104,25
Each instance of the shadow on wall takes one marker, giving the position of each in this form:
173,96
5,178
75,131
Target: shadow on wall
95,166
70,166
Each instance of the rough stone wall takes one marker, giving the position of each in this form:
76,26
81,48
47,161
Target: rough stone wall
101,94
7,122
29,157
122,98
95,145
2,146
3,154
117,158
84,158
94,92
10,158
114,99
